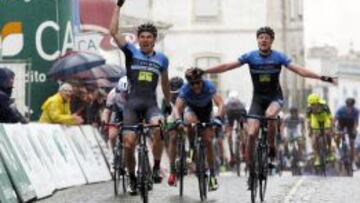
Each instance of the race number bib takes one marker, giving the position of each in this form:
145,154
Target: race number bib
145,76
264,78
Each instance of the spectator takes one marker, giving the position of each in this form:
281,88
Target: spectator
56,109
8,111
97,99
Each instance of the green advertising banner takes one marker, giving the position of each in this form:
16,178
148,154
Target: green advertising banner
17,173
39,31
7,193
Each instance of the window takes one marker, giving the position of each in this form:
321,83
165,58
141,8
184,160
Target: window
206,9
208,61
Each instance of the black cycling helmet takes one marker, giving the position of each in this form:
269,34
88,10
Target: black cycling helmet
147,27
175,84
350,101
267,30
193,74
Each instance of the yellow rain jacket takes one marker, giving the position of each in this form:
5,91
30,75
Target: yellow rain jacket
56,110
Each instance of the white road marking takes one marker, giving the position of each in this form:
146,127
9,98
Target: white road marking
294,189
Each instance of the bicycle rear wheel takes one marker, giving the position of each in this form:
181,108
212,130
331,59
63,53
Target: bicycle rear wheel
201,173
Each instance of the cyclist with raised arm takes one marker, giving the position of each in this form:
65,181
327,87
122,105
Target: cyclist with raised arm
113,112
294,130
235,110
144,68
347,117
319,112
198,96
265,66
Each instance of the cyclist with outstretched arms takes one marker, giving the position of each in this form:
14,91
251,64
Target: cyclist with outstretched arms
265,66
144,68
347,117
198,96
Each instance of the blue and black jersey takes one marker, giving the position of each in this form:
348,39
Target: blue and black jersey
143,71
198,100
265,70
347,118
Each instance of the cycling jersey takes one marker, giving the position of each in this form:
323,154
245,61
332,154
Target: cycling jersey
265,70
115,98
115,101
323,115
347,118
234,104
234,110
293,126
143,71
293,122
198,100
199,104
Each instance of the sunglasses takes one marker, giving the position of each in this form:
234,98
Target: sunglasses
195,83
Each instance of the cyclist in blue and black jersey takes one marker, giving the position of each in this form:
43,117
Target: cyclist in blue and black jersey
265,66
144,68
198,96
348,117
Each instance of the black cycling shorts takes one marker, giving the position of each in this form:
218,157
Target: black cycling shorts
233,115
260,103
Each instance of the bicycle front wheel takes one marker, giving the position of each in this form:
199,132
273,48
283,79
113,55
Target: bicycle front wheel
200,170
263,171
143,176
182,167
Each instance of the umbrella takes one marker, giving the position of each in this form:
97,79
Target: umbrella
110,72
101,83
74,62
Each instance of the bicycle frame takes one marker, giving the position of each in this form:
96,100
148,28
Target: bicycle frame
144,170
201,157
259,166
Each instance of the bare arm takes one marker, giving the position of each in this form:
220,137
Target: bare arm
114,28
223,67
105,117
220,104
179,108
165,86
303,71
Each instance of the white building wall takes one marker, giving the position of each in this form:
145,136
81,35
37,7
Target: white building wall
227,36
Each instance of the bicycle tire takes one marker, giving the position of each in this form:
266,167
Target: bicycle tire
323,154
116,182
295,168
346,160
263,168
253,178
142,175
119,174
237,156
182,166
200,155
